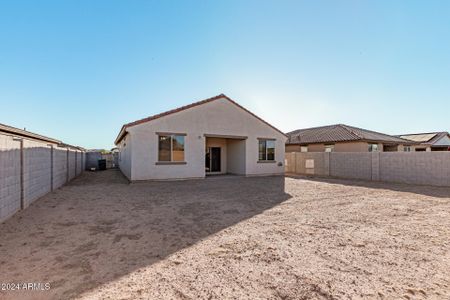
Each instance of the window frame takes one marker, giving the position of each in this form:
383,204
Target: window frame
266,150
370,147
329,146
171,139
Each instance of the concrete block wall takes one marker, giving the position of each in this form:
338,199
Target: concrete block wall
431,168
356,165
425,168
59,167
37,170
312,163
10,193
71,165
289,162
29,169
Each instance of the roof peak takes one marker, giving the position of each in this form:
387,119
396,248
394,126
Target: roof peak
181,108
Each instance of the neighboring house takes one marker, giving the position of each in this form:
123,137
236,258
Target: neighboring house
343,138
433,141
213,136
19,133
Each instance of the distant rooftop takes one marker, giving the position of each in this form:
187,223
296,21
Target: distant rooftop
24,133
339,133
27,134
425,138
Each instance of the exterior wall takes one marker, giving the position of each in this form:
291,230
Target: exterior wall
429,168
222,143
292,148
316,148
22,184
125,147
9,177
351,147
219,117
236,156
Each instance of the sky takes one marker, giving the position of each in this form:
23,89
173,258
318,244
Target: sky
78,70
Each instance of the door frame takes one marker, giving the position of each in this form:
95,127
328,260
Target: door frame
209,151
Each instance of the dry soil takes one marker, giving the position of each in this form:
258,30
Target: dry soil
230,238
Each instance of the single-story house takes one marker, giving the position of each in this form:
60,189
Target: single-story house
213,136
344,138
432,141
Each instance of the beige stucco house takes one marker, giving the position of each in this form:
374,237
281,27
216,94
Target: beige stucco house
213,136
344,138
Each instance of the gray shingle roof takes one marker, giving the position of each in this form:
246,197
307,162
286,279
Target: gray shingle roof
339,133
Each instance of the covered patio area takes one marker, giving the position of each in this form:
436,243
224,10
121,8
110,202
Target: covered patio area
225,154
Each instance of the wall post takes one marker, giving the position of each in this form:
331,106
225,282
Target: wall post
295,162
51,167
22,170
67,164
76,167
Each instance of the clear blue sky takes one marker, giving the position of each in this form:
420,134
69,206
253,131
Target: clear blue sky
78,70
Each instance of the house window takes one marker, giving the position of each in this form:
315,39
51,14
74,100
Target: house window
329,148
266,150
373,147
171,148
407,148
304,149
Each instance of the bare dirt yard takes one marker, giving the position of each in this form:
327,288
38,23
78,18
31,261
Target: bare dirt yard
230,238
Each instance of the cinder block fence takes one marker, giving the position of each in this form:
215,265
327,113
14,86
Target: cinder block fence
30,168
425,168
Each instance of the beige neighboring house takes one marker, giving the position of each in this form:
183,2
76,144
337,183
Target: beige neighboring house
213,136
432,141
344,138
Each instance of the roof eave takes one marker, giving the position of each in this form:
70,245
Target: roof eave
173,111
121,135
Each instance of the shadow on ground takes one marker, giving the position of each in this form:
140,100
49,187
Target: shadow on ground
99,228
426,190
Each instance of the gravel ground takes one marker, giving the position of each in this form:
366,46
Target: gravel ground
231,237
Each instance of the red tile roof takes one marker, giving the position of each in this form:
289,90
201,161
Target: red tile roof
122,132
